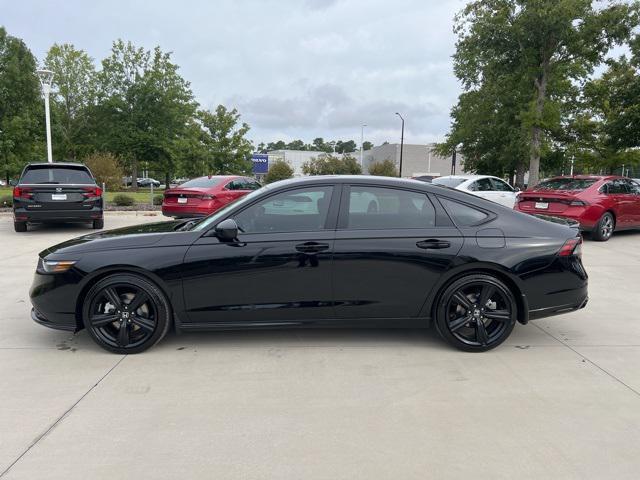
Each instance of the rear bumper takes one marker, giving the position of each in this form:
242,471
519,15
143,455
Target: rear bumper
186,211
583,299
49,216
584,218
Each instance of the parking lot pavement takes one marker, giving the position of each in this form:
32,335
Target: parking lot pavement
560,399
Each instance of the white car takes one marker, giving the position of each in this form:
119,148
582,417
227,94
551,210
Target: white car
485,186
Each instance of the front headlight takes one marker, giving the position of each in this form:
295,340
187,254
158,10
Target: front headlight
51,266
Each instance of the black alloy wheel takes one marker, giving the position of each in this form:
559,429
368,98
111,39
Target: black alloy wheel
604,228
476,313
126,313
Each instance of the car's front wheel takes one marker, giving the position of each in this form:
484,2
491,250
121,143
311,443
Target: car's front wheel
604,228
126,313
476,313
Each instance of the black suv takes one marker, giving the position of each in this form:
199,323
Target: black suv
57,192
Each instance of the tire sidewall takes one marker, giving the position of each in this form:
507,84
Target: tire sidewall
155,294
443,299
597,233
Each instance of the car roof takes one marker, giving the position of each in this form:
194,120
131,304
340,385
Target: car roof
56,164
470,176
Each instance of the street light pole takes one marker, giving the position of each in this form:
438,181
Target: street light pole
362,143
401,144
46,77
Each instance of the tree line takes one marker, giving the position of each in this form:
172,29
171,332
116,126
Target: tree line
318,145
541,91
136,107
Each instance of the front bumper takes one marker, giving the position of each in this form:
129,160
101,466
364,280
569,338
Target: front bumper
39,318
53,297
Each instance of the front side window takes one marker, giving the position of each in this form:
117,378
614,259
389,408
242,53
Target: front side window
300,210
634,187
385,208
500,185
462,214
482,185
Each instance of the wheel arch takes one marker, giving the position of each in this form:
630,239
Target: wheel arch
99,274
428,308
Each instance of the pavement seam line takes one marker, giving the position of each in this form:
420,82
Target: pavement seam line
60,418
603,370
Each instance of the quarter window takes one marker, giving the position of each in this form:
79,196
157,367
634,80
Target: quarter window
463,215
301,210
385,208
500,185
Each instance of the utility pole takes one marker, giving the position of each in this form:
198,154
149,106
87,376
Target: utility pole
401,144
46,78
362,143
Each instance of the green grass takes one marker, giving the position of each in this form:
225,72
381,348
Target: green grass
141,196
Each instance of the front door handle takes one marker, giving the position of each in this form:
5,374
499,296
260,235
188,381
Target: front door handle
312,247
433,244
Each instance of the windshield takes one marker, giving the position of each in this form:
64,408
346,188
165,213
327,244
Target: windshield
57,175
566,184
452,182
214,218
202,182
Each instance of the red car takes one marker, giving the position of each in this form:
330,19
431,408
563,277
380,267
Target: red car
202,196
601,204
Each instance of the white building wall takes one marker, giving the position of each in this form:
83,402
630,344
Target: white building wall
416,159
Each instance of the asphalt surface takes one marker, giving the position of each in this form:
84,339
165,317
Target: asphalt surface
560,399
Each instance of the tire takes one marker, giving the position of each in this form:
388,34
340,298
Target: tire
98,224
20,226
107,308
469,322
604,228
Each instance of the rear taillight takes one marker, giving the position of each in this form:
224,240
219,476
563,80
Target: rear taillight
572,247
92,192
578,203
21,192
206,196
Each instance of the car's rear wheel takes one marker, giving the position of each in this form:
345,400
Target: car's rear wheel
604,228
476,313
20,226
126,313
98,224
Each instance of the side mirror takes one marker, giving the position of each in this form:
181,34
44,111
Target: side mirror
227,230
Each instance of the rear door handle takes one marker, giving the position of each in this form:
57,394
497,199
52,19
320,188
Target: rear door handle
312,247
433,244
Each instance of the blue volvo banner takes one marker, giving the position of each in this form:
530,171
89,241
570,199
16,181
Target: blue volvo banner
260,162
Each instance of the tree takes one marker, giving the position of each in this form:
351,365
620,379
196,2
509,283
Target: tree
319,145
296,145
228,151
542,49
74,81
143,107
366,145
332,165
386,168
106,169
346,147
279,170
279,145
21,109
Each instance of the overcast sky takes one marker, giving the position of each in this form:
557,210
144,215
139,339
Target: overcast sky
293,68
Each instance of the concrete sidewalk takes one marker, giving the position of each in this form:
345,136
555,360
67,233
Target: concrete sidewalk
561,399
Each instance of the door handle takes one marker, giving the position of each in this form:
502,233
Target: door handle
312,247
433,244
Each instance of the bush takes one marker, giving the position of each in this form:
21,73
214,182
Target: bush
6,201
332,165
386,168
278,170
123,200
106,169
157,199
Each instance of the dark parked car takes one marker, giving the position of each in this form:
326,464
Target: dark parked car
202,196
57,192
601,204
319,251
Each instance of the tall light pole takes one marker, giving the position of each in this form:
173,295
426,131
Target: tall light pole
362,143
46,78
401,144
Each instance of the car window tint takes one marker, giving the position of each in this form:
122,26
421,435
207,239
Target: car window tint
500,185
566,183
634,187
462,214
57,175
451,182
616,187
482,185
384,208
203,182
304,210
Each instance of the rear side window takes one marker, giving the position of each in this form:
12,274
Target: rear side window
57,175
385,208
203,182
463,215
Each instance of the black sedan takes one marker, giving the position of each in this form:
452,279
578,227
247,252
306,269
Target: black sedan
319,251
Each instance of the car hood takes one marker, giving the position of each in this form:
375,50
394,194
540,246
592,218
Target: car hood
135,236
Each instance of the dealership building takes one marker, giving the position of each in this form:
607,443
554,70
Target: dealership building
416,159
